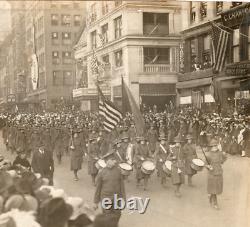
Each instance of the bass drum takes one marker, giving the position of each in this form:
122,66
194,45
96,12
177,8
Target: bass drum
100,164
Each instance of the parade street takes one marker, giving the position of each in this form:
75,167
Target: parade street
165,210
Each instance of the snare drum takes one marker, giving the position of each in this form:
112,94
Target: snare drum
100,164
148,167
126,169
197,164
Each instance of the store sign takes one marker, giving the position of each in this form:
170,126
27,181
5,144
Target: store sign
236,16
185,100
238,69
11,98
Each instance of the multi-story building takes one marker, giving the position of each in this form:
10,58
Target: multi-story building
136,40
198,75
51,30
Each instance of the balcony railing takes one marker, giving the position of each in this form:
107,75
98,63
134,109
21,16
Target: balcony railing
157,68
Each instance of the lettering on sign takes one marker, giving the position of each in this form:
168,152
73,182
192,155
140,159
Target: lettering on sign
239,69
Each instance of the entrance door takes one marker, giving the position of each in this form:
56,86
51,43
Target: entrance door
159,101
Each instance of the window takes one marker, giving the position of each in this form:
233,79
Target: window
65,5
105,59
66,38
104,7
203,9
194,55
156,55
93,39
104,36
235,4
67,78
219,7
155,24
192,12
66,57
77,20
54,38
118,27
236,45
92,15
118,3
57,80
65,20
54,19
55,58
206,56
118,58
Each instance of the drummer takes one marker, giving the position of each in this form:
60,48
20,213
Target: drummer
142,153
177,169
215,172
119,153
161,155
189,153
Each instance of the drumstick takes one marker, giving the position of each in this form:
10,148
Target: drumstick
205,156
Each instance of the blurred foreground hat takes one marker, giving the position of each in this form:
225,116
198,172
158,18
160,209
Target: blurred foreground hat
6,181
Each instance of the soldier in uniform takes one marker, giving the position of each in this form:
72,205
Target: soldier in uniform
119,152
21,139
93,156
161,155
77,152
59,145
189,153
177,167
110,182
215,172
152,138
142,153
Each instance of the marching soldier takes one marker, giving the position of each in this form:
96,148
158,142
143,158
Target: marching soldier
93,156
142,153
215,172
189,153
119,152
152,138
161,155
176,157
59,145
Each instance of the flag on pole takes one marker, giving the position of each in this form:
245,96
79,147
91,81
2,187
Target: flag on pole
107,109
220,38
215,90
196,99
94,64
129,105
102,39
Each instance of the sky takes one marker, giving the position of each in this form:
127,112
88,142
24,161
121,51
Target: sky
4,19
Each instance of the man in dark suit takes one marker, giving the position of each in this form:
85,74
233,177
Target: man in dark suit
43,163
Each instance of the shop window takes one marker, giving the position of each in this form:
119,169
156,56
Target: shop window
219,7
192,12
57,79
54,19
195,64
65,20
203,9
156,55
236,45
118,58
93,39
118,27
155,24
67,78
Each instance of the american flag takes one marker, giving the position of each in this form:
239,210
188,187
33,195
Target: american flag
102,39
112,116
220,38
94,64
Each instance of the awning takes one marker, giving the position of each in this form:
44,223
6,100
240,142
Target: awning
185,100
157,89
245,85
194,83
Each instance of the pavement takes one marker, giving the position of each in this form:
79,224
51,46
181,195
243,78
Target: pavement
166,210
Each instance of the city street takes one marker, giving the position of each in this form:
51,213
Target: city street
165,210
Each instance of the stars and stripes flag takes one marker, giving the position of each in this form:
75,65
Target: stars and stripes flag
107,109
94,64
220,38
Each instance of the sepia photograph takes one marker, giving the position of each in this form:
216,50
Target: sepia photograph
124,113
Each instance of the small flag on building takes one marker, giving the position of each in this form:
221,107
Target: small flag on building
220,38
102,39
94,64
107,109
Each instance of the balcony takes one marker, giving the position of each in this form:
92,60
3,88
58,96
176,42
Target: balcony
195,75
157,68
